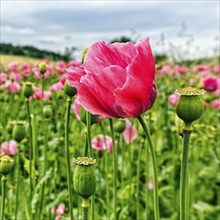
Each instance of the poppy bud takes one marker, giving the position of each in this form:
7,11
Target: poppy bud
94,118
28,90
70,91
84,177
120,126
190,106
84,54
19,131
6,164
47,111
42,68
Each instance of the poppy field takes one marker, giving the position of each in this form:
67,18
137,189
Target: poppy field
116,135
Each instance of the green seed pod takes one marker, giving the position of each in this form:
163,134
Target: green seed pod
6,164
70,91
84,177
19,131
190,106
43,68
28,90
94,118
47,111
179,125
120,126
9,128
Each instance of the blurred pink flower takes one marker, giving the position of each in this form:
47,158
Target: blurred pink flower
37,94
75,63
130,132
166,69
13,66
26,69
14,87
101,143
215,104
3,77
59,211
15,76
9,148
150,185
173,99
56,87
216,68
180,69
210,84
60,66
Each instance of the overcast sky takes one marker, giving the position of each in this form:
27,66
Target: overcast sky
189,26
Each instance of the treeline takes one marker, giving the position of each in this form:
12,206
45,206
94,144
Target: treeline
31,51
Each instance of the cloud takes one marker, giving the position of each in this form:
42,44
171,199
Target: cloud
20,31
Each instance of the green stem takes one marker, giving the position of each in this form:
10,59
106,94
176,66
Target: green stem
138,181
89,145
154,163
106,172
183,177
115,171
30,147
34,148
85,209
147,182
4,179
69,101
17,183
44,171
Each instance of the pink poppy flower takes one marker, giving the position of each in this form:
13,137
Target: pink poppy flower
60,209
166,69
63,79
102,143
210,84
26,69
76,108
13,66
60,66
180,69
130,132
116,80
173,99
56,87
15,76
216,68
3,77
9,148
14,87
37,94
215,104
74,63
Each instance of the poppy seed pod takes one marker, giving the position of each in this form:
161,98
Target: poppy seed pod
120,126
70,91
6,164
19,131
28,90
94,118
84,177
190,106
47,111
42,68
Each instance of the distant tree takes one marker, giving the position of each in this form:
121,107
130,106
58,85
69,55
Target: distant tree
122,39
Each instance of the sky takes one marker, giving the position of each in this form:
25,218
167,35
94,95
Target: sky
185,28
